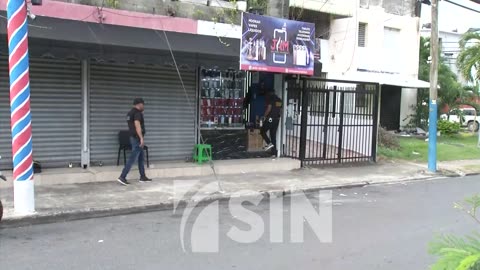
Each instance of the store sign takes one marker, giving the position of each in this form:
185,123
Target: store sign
276,45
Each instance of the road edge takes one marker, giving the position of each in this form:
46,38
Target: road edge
171,204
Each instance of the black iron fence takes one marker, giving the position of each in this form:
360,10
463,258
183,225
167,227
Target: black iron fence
331,121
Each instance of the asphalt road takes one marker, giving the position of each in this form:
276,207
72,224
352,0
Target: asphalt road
376,227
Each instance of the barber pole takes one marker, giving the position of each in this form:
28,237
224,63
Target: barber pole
20,107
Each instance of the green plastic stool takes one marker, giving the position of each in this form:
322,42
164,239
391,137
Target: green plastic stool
202,152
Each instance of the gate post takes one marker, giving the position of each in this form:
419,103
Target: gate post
304,121
375,122
340,127
325,123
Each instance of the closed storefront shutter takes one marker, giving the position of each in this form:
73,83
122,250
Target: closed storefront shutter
56,112
169,119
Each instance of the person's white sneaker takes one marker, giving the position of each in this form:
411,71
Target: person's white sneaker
268,147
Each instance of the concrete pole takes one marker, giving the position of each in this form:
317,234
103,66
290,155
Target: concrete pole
434,53
24,200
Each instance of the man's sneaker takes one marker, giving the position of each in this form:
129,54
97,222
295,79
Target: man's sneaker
145,179
123,181
268,147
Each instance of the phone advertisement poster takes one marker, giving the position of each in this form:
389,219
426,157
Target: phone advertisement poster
271,44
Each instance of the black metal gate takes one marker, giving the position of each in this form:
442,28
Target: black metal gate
331,121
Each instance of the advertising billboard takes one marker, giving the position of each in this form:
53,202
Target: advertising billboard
271,44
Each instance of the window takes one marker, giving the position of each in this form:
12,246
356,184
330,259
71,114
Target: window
391,38
392,59
469,112
362,34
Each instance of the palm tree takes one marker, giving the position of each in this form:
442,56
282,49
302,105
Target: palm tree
468,60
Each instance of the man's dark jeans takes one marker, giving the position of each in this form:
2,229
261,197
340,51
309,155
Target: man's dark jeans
270,127
137,154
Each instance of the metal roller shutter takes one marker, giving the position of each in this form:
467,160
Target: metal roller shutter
170,122
5,133
56,112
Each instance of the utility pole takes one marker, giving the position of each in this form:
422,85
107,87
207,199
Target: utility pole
432,127
17,29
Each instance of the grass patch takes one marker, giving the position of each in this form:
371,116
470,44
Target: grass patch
455,147
472,167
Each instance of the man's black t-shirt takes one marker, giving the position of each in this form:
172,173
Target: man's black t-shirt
135,115
277,104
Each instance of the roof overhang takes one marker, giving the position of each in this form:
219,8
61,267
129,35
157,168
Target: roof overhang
381,78
96,34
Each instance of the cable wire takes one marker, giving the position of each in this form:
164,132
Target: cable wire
190,105
462,6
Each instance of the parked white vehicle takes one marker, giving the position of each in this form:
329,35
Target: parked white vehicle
468,118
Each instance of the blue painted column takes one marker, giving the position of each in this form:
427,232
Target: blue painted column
432,136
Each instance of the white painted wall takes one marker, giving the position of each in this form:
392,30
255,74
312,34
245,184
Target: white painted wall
219,30
347,57
338,7
381,53
409,97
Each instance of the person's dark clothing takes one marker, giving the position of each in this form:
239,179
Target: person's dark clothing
277,104
135,115
272,120
271,128
137,152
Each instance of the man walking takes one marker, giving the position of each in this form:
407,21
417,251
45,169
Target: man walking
271,120
136,127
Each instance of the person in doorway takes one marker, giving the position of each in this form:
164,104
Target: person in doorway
273,111
261,90
136,126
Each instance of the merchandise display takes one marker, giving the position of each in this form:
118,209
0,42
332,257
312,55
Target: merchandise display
222,94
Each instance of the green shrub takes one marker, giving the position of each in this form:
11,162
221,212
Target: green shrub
447,127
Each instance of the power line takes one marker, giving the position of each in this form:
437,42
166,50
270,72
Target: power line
190,104
462,6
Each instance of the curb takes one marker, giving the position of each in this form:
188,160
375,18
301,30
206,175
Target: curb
164,206
171,205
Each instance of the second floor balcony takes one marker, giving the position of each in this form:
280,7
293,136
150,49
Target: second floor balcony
340,8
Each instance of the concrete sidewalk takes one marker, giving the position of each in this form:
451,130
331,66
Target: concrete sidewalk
77,201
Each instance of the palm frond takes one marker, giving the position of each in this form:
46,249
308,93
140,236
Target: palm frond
455,252
469,37
468,60
469,262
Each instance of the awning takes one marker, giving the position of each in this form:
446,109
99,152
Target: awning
381,78
97,34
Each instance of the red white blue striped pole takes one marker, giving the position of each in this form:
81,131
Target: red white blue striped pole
24,201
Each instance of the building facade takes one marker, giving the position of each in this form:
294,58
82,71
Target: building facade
89,59
380,43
